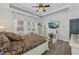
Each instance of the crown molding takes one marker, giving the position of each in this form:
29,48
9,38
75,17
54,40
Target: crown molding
20,8
56,11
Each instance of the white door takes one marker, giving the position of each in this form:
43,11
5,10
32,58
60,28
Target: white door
63,30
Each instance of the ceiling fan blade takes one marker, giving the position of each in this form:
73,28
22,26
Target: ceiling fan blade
44,10
47,6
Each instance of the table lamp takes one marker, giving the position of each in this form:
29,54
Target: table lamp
1,28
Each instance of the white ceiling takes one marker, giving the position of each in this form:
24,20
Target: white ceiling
53,7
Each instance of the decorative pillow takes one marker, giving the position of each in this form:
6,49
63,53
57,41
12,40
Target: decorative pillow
4,43
20,37
12,36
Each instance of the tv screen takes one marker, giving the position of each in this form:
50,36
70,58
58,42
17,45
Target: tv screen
53,24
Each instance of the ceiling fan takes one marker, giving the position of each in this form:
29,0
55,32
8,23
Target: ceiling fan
41,7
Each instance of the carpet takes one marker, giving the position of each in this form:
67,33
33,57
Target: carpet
59,48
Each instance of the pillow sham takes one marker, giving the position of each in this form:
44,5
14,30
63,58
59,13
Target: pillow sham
12,36
4,43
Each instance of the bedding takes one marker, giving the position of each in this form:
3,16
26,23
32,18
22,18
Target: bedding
24,43
16,47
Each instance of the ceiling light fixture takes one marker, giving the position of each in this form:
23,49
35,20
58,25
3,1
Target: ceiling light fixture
41,8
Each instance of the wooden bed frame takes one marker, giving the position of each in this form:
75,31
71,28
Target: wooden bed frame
38,50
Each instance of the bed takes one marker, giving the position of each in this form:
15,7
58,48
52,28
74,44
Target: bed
14,44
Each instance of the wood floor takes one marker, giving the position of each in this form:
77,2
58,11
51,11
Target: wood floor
59,48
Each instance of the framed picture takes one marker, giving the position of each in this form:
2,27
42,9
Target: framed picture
20,25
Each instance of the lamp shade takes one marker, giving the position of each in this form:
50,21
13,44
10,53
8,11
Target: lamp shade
2,27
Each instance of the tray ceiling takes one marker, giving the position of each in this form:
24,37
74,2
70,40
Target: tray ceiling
52,8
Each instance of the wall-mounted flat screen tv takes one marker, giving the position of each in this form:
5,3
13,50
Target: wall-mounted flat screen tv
53,24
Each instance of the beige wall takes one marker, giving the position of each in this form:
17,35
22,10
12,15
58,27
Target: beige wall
6,17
